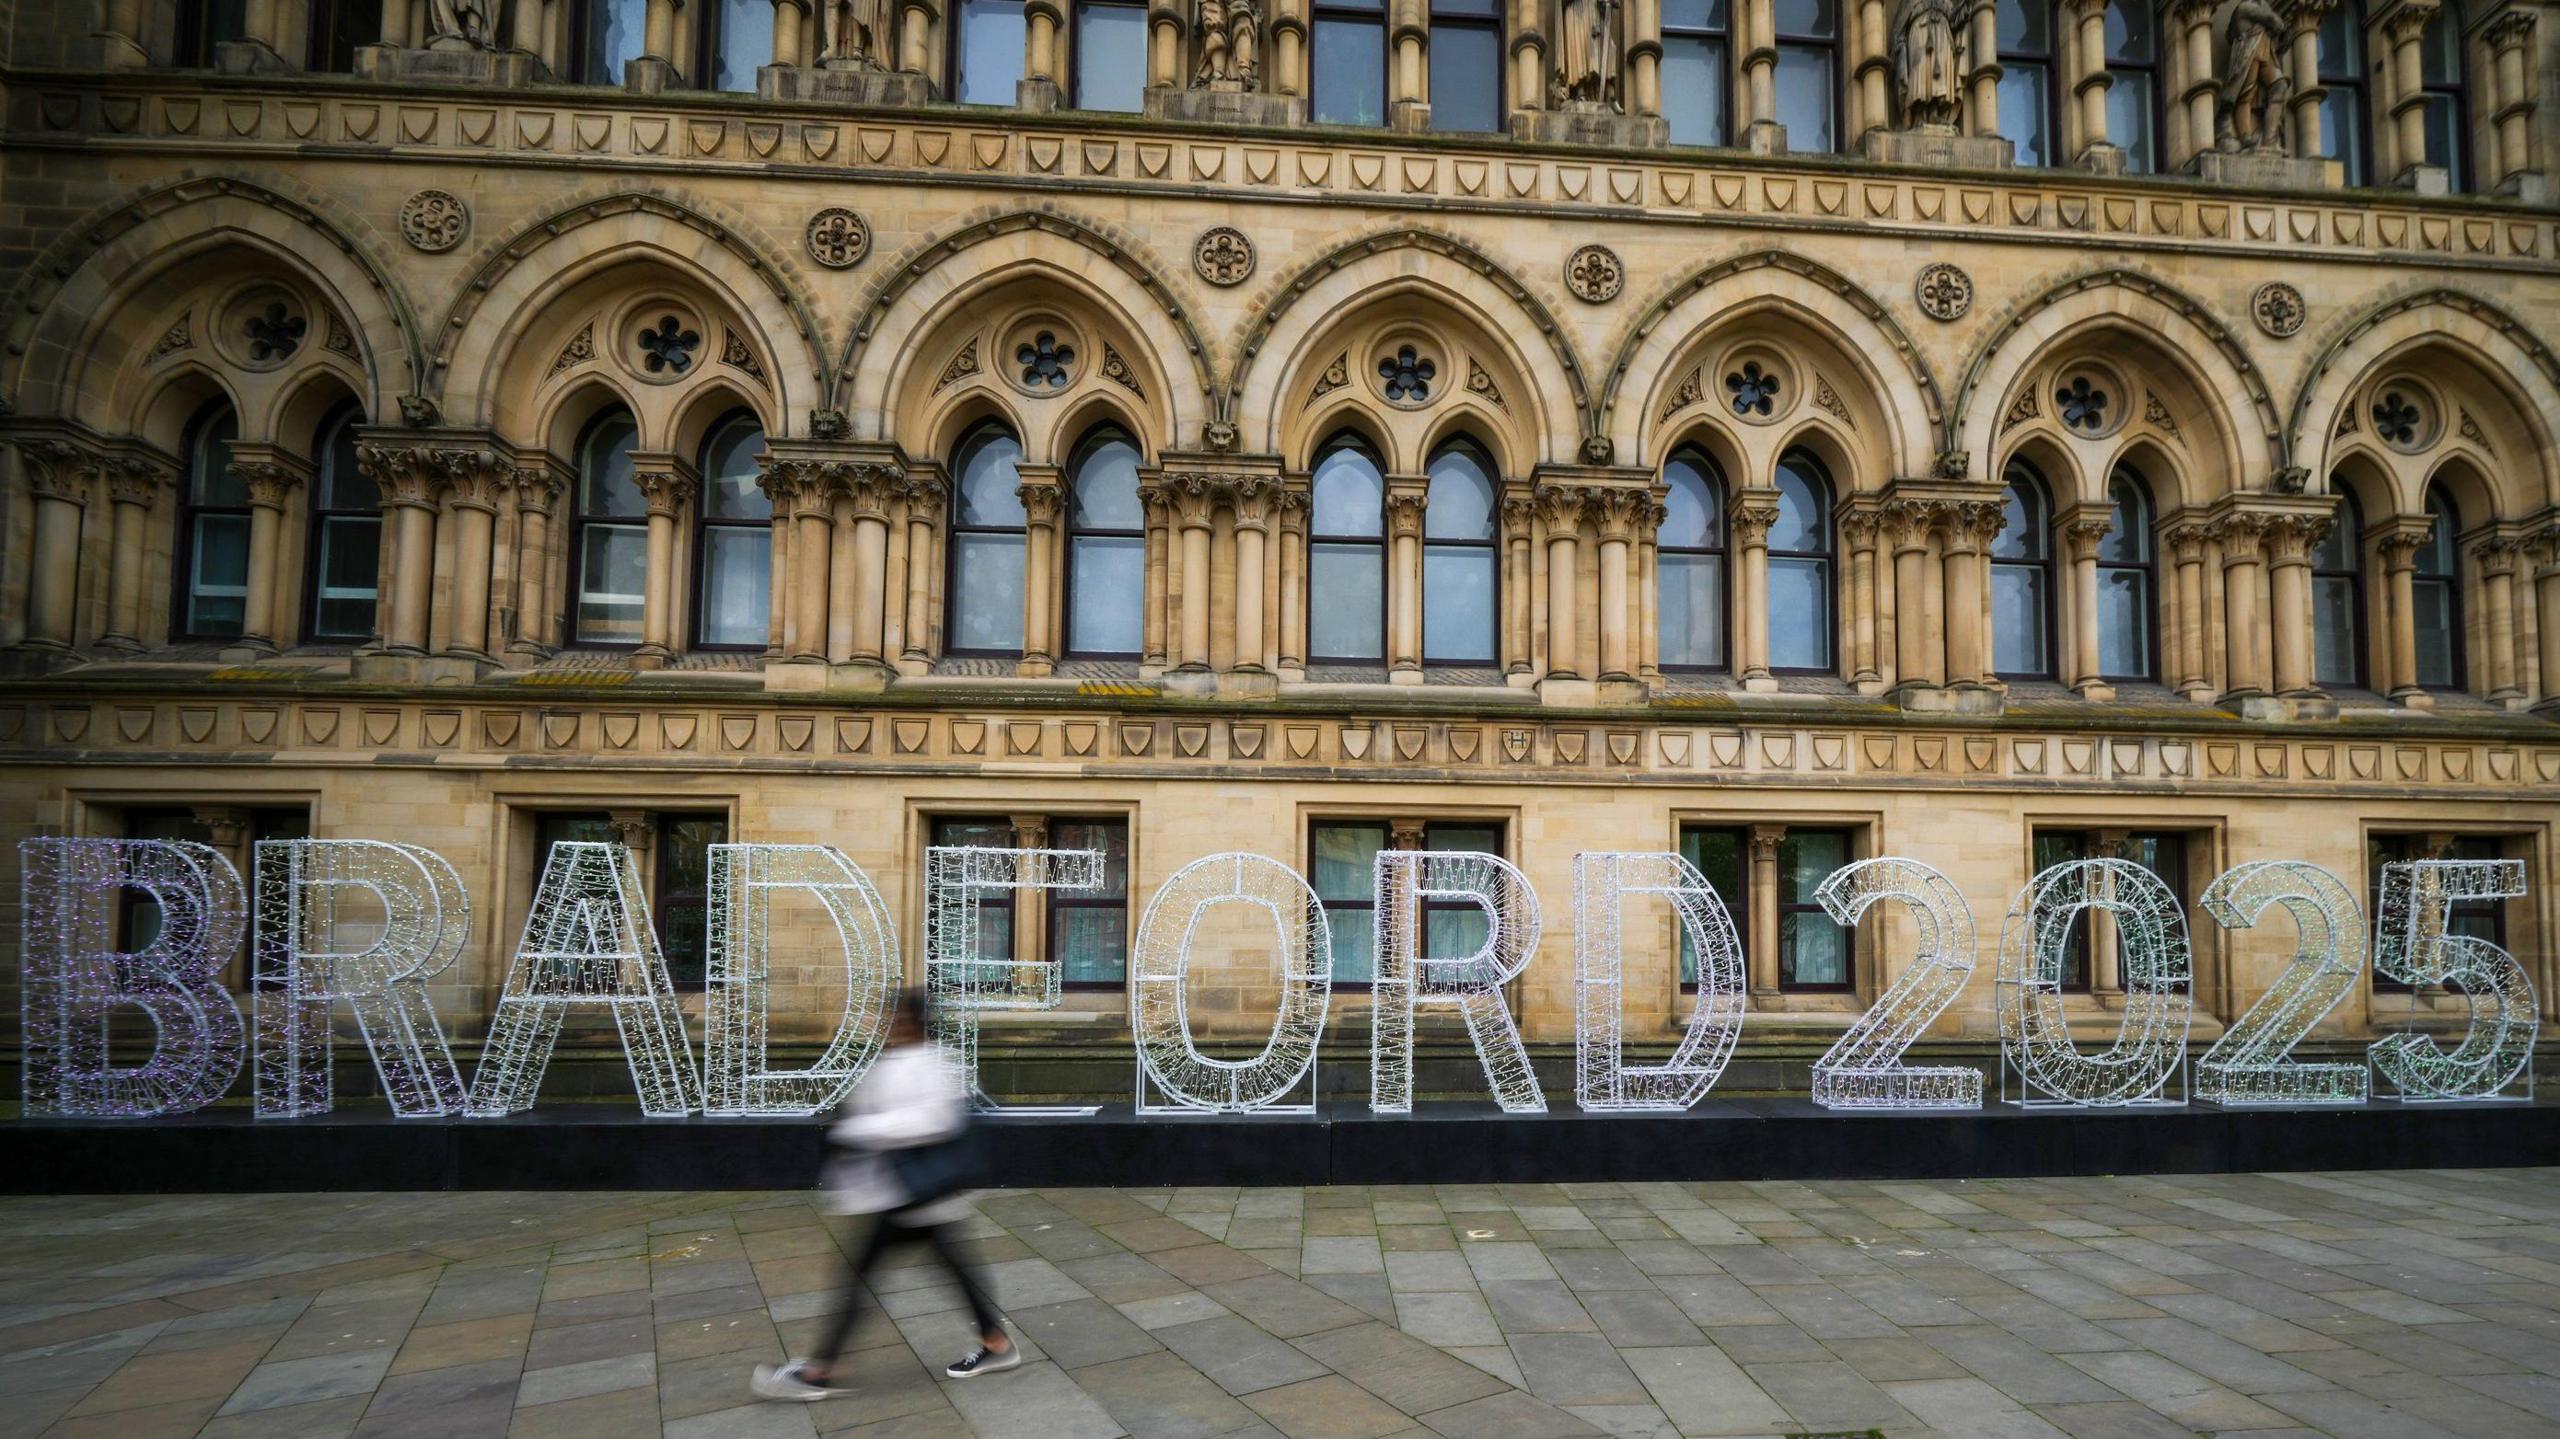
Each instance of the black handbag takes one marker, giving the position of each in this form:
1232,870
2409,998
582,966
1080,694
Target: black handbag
934,1171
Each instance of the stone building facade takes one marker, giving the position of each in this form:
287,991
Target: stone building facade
1784,432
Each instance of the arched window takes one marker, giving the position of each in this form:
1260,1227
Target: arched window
1466,65
338,29
2435,596
2126,642
2444,86
1689,567
1808,73
1349,69
203,24
2337,598
2022,579
736,40
1106,549
988,533
1110,55
733,541
610,34
346,538
1800,567
1696,96
213,531
2343,122
986,56
1347,556
2133,90
609,536
2029,112
1459,561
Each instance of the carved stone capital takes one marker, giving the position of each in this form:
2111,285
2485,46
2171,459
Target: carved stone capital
1562,506
2184,538
2410,20
1621,512
405,476
133,481
666,488
1042,499
2401,539
1972,524
2087,531
538,488
270,483
2498,555
2511,28
2243,538
1192,496
2292,538
1753,515
58,469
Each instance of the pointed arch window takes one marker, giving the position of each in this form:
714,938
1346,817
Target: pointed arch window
2444,87
2128,638
2022,578
1696,93
2435,596
1800,572
2029,112
733,540
2133,89
1460,563
213,531
1690,564
2337,598
2343,122
346,538
1347,555
988,535
609,536
1106,549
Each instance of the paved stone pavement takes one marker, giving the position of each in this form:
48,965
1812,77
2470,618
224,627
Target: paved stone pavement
2360,1306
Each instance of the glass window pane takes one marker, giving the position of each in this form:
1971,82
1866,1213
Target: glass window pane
343,482
2129,119
349,563
2431,605
1350,623
986,593
989,480
990,51
1692,610
1808,19
1696,15
1111,57
2131,36
1355,945
615,34
1693,89
1092,944
2129,536
1457,604
2342,43
737,575
218,589
2024,26
2341,117
2337,550
1452,931
1350,72
2022,527
1460,503
1806,857
2333,628
1343,856
1805,105
1106,487
1111,836
1718,855
2444,142
1466,78
1799,614
1811,950
2018,620
729,471
2437,558
1350,495
1803,525
613,584
2124,623
1107,580
604,483
210,465
2440,49
746,42
1690,520
2026,111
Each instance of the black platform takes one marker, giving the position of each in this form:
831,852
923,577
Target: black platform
594,1146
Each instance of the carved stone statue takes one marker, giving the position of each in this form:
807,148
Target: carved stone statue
2257,89
1590,55
853,35
1228,35
1928,62
458,25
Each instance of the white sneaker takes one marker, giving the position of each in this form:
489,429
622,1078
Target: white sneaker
791,1382
983,1360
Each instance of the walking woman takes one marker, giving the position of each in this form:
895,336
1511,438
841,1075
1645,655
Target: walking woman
903,1152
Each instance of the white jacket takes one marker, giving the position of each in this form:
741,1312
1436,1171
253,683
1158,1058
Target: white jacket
912,1096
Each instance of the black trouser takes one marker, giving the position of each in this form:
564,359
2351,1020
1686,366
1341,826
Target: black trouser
885,1232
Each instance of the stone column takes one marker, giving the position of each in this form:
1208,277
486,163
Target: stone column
1982,81
1563,505
1406,496
1291,501
1617,512
870,488
471,508
409,483
1408,66
133,486
1762,962
1039,90
2546,613
1288,48
2400,546
58,474
269,479
1644,57
1253,530
2089,85
1859,529
2243,585
928,500
1755,31
1158,568
2402,97
1908,526
2185,542
2290,541
1971,527
1753,512
1870,46
1519,524
2515,84
2106,953
538,491
2187,55
669,491
1195,499
790,21
917,20
1649,582
2084,535
2302,39
119,36
2496,557
1527,29
1031,920
800,491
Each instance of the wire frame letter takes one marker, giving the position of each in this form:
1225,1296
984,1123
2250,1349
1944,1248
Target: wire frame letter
1173,1075
1409,976
961,978
588,941
1864,1069
2039,1064
737,1077
2253,1063
319,943
2411,944
74,977
1602,882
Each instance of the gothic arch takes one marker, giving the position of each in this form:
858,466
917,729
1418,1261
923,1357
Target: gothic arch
995,252
2181,329
59,354
1730,292
1445,271
510,289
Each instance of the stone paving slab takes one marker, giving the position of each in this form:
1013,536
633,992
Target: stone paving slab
2403,1305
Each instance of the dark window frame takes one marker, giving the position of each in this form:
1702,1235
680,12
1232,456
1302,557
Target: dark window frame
1075,45
2048,60
955,60
324,510
1835,47
2019,473
2155,114
1737,905
2456,90
2347,519
2148,567
1101,434
2446,518
703,526
1379,542
952,581
1065,899
1825,496
1490,545
2083,844
182,565
1718,40
2397,846
710,33
1489,20
1366,902
658,885
2350,80
1787,909
1720,494
580,522
319,49
1341,13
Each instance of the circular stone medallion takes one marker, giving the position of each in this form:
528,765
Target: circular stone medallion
1223,255
1944,291
2279,309
1595,274
434,220
838,238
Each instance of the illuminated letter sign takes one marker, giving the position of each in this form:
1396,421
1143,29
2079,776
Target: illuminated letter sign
1484,902
738,977
1182,1077
1602,1080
